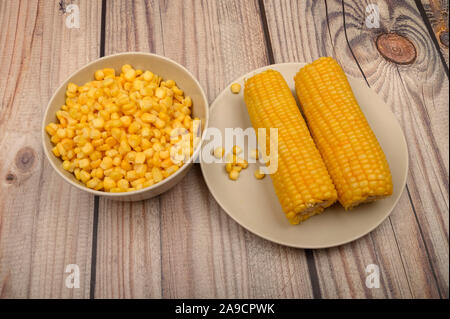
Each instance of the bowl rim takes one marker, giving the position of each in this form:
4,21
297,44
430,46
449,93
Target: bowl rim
185,166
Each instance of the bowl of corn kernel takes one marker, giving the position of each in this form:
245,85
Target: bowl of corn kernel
126,126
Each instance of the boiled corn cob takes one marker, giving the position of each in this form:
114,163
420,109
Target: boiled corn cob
340,130
302,183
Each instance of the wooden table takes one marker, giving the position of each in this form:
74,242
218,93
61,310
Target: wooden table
182,244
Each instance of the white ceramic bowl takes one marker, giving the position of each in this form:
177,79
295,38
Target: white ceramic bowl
159,65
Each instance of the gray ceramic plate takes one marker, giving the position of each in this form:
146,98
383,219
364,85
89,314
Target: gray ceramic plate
253,203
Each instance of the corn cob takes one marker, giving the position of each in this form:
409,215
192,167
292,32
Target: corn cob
351,152
302,183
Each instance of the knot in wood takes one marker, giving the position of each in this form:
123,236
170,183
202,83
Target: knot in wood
396,48
443,37
10,178
25,158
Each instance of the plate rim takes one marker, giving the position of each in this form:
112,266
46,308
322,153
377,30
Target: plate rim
253,231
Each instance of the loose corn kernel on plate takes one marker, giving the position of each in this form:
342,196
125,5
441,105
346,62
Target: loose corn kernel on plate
110,129
252,202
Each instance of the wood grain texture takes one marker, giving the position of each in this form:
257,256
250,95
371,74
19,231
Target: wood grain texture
44,223
413,235
437,14
203,252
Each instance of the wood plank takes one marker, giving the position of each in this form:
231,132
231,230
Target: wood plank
305,31
437,14
44,223
129,234
203,252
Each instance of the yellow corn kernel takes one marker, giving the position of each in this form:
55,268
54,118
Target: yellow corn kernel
234,174
231,158
87,148
125,68
172,169
106,163
55,139
72,87
134,140
108,183
67,165
259,174
219,152
140,158
107,82
109,72
164,154
134,127
124,147
99,173
145,143
117,160
56,152
51,128
96,163
131,175
140,169
187,101
99,75
76,172
138,182
166,163
126,165
157,174
229,167
98,122
242,163
254,154
116,175
84,176
84,163
160,93
123,184
235,88
236,149
159,123
93,182
130,75
237,168
67,144
149,153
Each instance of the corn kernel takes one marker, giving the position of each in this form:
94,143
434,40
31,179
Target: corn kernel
84,163
236,149
140,158
233,175
130,75
235,88
99,75
228,167
254,154
84,176
123,184
259,174
242,163
106,163
219,152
